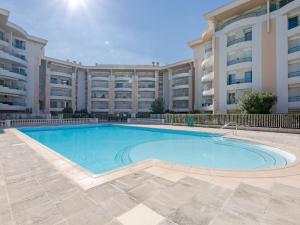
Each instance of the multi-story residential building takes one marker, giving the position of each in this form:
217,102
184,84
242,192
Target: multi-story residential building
99,89
20,58
178,86
249,46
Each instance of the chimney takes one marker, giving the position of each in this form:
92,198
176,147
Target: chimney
153,63
157,64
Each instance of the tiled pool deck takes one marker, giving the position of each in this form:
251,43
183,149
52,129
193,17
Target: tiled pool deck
44,189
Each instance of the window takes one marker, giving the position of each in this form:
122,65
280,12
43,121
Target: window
248,36
231,98
293,22
248,76
19,44
2,36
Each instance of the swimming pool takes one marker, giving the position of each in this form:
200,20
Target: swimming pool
101,148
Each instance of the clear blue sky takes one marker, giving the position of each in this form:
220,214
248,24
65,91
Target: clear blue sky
114,31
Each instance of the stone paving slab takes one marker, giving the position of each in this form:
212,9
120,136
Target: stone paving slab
32,192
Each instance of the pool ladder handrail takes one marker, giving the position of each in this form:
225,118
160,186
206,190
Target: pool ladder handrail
231,123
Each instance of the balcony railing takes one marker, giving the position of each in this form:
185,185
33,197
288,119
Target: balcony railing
2,38
206,104
294,99
181,95
294,49
23,57
294,74
147,86
61,94
238,40
239,81
124,85
258,12
13,87
180,83
239,60
18,71
13,103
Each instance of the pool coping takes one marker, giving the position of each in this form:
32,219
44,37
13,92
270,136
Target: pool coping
87,180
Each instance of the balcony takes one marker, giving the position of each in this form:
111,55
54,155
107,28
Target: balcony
178,75
294,49
60,85
56,109
146,78
208,92
95,110
179,98
207,62
294,102
127,78
207,77
293,22
13,74
294,74
104,78
12,90
12,106
60,73
258,12
207,106
99,99
19,46
4,41
239,81
14,58
239,60
61,96
239,40
294,99
146,87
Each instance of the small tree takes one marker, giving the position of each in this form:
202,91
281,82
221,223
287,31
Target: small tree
158,106
257,103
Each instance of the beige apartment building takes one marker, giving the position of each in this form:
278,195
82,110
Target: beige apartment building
249,45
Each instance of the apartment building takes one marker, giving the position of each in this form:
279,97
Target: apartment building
178,86
20,58
99,89
249,46
32,82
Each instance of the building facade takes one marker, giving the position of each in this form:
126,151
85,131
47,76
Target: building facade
20,59
248,46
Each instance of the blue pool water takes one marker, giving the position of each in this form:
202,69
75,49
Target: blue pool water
101,148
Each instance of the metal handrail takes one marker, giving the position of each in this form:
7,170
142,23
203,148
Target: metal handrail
231,123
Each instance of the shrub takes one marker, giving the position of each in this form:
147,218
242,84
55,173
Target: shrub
257,103
157,106
68,110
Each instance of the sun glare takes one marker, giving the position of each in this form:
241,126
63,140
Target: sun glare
76,4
